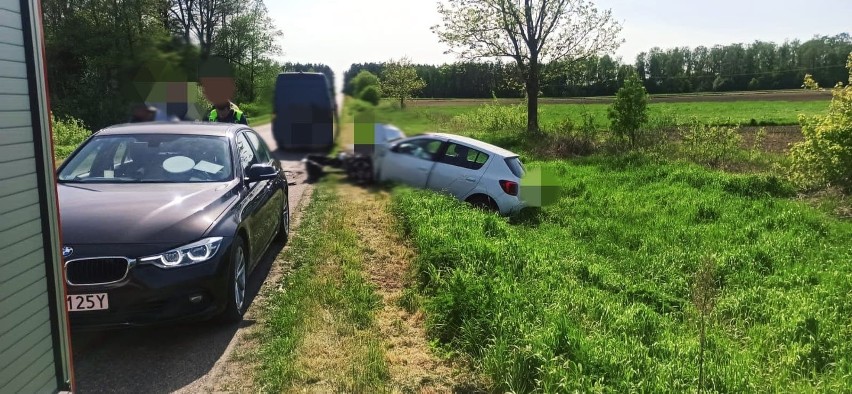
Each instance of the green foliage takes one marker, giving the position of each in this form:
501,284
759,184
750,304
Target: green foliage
824,158
754,84
360,106
256,109
68,134
103,56
596,295
710,145
363,80
371,95
491,117
629,111
400,80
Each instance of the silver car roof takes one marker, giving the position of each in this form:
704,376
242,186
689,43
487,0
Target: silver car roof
475,144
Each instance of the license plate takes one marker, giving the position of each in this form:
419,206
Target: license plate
86,302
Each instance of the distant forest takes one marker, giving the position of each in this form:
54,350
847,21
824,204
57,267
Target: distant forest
758,66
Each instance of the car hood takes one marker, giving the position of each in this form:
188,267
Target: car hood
171,214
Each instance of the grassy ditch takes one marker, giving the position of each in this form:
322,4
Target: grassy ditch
609,288
319,327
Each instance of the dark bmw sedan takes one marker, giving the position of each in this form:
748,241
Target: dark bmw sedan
165,221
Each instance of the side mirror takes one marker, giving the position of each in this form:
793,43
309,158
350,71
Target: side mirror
261,172
403,148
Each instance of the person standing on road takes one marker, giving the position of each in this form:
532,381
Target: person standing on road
217,81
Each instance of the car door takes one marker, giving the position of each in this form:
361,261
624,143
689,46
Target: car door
410,161
277,188
255,202
458,170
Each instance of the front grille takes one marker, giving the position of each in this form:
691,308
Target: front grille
96,271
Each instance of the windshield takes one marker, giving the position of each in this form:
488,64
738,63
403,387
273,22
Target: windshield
160,158
516,166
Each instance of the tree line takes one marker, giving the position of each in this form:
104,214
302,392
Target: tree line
101,54
761,65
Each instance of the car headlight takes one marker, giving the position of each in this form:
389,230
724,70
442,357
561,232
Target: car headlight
193,253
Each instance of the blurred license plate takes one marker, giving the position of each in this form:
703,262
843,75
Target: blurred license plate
86,302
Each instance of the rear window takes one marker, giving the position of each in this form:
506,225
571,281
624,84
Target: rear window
516,166
298,89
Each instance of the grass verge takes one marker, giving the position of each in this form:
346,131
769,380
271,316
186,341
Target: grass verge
317,326
260,120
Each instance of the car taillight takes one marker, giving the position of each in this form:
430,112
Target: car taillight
510,187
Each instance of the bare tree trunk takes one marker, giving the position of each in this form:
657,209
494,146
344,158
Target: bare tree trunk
532,97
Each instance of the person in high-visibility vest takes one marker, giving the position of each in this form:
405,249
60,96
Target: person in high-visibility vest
227,113
217,81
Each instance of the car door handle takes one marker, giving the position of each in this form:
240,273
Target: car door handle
470,179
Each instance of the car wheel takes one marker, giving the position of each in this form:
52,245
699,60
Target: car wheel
237,280
484,203
284,225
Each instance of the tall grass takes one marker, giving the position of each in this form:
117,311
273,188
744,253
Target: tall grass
595,295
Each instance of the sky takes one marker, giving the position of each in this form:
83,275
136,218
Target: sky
342,32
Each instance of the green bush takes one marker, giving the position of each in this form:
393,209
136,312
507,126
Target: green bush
824,158
491,117
572,139
68,133
629,111
357,106
371,94
363,80
710,145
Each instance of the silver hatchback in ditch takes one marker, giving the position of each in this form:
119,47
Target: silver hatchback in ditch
471,170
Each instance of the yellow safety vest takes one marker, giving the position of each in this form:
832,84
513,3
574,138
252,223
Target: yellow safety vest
214,115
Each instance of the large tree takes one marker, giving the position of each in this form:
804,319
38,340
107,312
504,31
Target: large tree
530,32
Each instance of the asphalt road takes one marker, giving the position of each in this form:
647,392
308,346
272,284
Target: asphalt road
174,358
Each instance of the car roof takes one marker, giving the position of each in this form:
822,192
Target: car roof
473,143
188,128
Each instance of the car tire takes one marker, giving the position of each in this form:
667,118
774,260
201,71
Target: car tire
237,279
284,224
484,203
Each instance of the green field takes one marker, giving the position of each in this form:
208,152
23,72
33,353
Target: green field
432,118
595,292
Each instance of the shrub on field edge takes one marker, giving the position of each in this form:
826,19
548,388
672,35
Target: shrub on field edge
371,94
363,80
492,117
356,106
629,111
824,158
68,133
710,145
